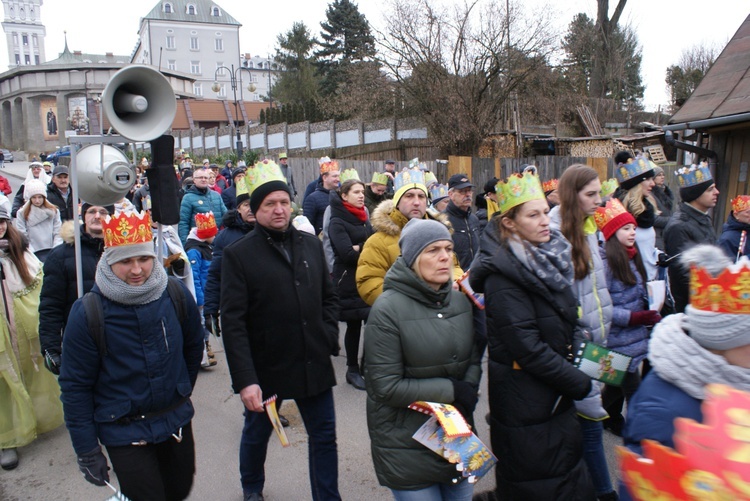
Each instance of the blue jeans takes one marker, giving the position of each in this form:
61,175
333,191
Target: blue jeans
320,422
593,454
438,492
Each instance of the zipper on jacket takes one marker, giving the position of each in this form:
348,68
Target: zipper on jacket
338,284
164,333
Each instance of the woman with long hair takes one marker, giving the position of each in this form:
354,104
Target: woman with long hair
39,220
29,395
525,271
579,189
348,230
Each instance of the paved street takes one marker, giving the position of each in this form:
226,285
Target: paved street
48,468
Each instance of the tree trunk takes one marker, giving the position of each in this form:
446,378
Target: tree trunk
604,28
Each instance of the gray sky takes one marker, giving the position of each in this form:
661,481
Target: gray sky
664,28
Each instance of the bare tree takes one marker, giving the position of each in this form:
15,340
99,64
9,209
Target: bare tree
456,68
683,78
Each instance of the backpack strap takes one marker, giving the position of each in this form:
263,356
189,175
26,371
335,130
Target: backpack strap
177,295
92,306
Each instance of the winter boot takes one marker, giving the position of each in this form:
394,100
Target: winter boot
210,354
8,459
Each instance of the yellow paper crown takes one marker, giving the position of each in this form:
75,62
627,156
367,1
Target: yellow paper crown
127,228
349,174
740,203
379,178
242,186
728,292
429,179
205,221
261,173
518,189
550,185
608,187
327,165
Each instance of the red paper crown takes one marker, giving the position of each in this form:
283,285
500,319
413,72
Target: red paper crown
612,217
550,185
740,203
729,292
206,224
127,228
328,166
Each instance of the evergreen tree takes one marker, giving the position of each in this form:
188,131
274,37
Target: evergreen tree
297,82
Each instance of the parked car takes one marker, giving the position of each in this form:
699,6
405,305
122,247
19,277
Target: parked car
55,156
7,154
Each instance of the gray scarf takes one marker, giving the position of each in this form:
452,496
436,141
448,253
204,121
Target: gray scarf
550,261
679,359
120,292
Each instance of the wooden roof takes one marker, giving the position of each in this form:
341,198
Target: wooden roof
725,90
214,110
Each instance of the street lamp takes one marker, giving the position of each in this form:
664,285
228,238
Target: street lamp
233,78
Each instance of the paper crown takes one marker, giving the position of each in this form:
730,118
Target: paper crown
438,191
633,168
518,189
414,163
709,461
550,185
728,292
205,222
261,173
695,174
349,174
379,178
740,203
612,217
608,187
429,179
127,228
327,165
408,176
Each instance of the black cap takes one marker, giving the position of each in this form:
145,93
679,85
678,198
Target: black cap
489,186
392,162
459,182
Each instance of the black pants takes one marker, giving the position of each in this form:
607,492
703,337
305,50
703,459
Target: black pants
351,342
613,398
156,472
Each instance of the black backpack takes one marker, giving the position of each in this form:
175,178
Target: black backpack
92,305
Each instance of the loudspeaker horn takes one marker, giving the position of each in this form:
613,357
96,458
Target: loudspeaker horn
104,173
139,102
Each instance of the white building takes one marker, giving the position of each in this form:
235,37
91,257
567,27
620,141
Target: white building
24,32
263,72
196,37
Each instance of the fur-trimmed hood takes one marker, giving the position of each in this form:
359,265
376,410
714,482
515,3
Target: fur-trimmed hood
387,219
67,233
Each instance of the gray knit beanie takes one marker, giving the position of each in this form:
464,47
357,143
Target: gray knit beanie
418,234
121,252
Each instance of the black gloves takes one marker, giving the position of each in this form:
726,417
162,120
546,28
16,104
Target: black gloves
52,361
212,324
94,467
464,397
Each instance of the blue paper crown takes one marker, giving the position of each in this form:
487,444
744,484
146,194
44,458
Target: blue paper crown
438,191
633,168
408,176
695,174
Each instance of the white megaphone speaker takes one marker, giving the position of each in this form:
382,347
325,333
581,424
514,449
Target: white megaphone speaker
105,175
139,102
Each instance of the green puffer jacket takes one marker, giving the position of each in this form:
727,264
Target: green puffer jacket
416,339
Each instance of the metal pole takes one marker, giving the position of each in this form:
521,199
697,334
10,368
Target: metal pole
76,220
233,81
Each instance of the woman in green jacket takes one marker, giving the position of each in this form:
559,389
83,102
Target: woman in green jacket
419,345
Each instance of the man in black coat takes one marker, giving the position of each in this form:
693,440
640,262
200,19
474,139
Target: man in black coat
229,195
59,192
59,288
279,316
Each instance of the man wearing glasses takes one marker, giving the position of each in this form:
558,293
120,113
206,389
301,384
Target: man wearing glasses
59,289
198,199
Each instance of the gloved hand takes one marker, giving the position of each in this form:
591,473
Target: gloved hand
645,317
662,260
212,324
464,397
52,361
94,466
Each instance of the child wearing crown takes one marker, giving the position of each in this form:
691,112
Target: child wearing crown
112,398
738,223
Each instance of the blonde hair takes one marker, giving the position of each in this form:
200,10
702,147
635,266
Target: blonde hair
633,201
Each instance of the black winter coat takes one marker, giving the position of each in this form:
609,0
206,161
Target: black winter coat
314,207
279,317
534,429
729,240
65,204
466,234
234,229
687,227
229,197
345,231
59,288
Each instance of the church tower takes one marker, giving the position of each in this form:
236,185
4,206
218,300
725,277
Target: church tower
24,32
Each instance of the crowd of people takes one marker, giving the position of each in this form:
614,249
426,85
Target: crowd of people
557,262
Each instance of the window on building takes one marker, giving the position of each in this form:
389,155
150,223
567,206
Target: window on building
220,69
254,78
255,96
27,59
222,90
168,8
195,67
215,11
198,89
172,65
170,42
31,12
219,45
249,64
190,9
194,43
36,59
25,39
18,59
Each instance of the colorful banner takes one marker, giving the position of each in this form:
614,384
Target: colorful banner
48,116
78,115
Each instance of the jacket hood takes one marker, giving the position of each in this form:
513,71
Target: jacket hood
401,278
67,233
387,219
733,225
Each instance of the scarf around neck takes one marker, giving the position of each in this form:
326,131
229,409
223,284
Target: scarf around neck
632,251
679,359
550,261
119,291
359,212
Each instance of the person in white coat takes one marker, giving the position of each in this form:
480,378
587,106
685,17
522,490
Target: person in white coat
39,220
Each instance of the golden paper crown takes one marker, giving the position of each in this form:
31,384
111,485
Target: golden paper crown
728,292
608,187
740,203
327,165
127,228
429,179
379,178
550,185
518,189
205,221
695,174
261,173
349,174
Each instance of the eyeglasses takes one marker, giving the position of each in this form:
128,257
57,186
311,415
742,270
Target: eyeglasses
93,212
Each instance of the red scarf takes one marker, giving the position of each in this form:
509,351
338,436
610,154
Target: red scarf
632,251
361,213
